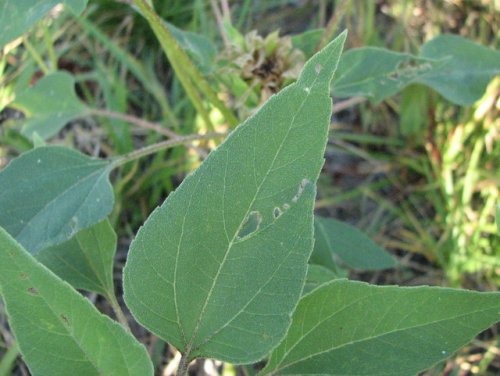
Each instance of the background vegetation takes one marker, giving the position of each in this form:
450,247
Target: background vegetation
417,173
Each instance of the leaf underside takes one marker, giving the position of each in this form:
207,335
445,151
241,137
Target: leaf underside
59,332
352,328
57,192
218,269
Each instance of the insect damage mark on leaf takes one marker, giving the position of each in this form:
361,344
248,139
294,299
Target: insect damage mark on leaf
32,291
251,225
254,219
302,186
227,273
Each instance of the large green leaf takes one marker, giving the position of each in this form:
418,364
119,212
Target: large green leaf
86,260
17,16
453,66
49,105
50,193
352,328
338,242
60,332
219,267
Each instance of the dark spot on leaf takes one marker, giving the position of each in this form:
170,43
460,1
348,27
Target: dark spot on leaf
32,291
277,212
251,224
64,319
23,276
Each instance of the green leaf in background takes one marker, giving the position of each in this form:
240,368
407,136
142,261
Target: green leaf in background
307,41
16,17
377,73
468,70
60,332
49,105
200,48
50,193
352,328
455,67
86,260
227,252
337,240
318,275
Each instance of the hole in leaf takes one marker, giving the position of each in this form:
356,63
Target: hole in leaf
251,224
277,212
302,186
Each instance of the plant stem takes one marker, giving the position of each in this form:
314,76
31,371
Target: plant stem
8,359
333,23
151,149
134,120
36,56
340,106
182,64
220,22
122,319
183,365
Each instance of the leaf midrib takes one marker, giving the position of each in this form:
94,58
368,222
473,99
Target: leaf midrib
230,244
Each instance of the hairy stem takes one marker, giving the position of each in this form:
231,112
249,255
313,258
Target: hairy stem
183,365
134,120
122,319
151,149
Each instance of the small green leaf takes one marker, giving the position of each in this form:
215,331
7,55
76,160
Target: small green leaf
352,328
307,41
337,240
60,332
468,69
49,105
219,291
50,193
199,47
318,275
86,260
16,17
